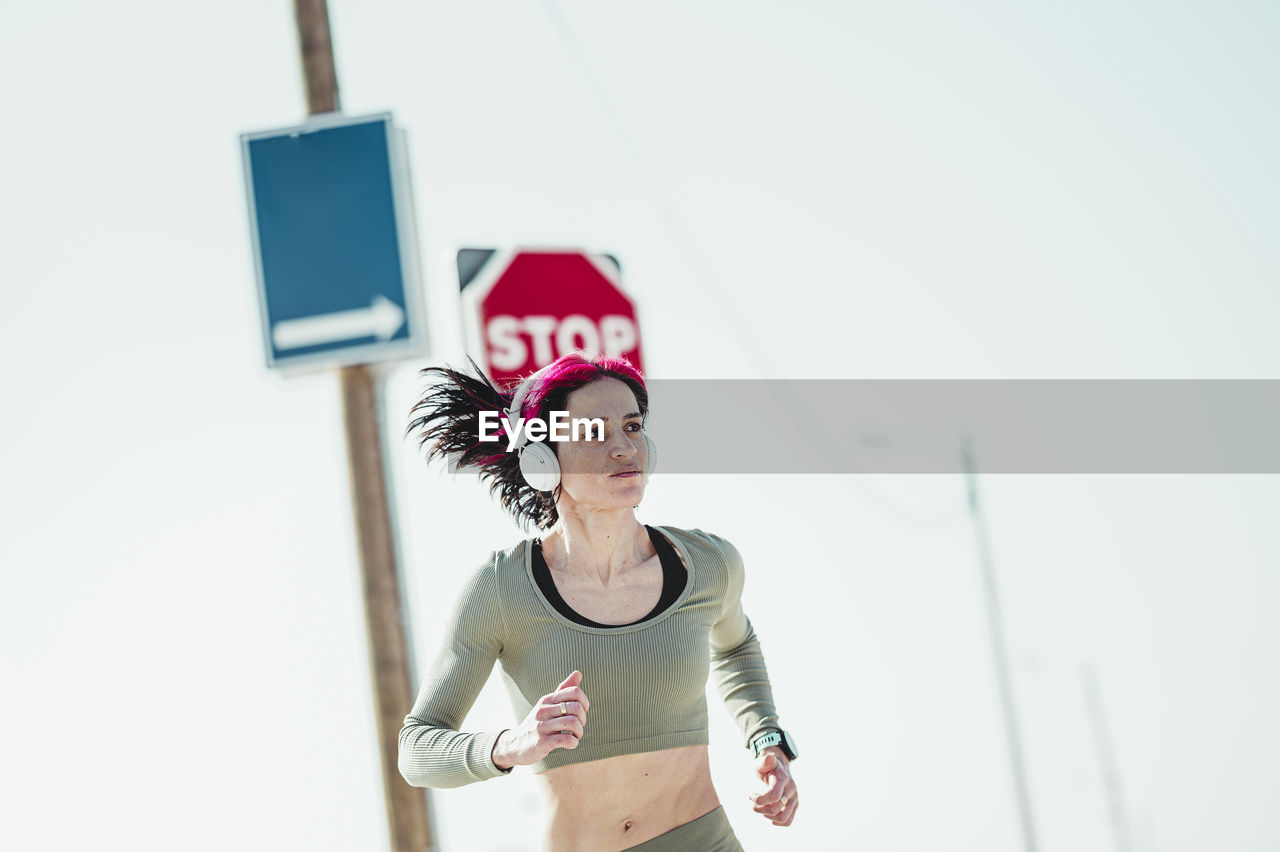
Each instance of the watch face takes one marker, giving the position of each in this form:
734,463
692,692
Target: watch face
789,746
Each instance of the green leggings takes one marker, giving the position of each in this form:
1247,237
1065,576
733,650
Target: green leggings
710,832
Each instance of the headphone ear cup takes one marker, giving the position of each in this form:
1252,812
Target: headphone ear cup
539,466
651,455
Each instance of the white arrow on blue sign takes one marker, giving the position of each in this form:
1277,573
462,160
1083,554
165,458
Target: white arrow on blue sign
332,221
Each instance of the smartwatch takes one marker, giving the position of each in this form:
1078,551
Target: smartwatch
778,738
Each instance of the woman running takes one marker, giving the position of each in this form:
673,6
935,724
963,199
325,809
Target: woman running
607,629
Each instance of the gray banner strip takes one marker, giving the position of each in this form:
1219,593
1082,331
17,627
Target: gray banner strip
919,426
1016,426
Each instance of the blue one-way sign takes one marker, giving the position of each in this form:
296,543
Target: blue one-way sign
331,215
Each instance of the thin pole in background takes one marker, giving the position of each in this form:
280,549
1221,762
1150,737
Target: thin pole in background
1106,759
407,809
999,652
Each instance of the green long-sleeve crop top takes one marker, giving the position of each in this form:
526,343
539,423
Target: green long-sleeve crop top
646,681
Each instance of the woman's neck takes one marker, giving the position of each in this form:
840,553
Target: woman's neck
598,544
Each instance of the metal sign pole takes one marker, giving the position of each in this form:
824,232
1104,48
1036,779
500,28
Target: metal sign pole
407,809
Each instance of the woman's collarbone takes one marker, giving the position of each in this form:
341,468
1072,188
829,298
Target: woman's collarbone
625,599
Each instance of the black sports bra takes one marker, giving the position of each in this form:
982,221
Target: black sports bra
674,578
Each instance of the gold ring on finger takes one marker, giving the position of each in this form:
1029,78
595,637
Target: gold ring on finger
784,801
564,711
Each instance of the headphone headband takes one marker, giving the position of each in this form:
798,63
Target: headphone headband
517,401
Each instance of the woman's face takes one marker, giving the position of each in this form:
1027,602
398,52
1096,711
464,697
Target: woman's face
604,474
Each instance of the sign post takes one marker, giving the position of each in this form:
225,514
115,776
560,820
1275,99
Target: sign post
524,308
338,287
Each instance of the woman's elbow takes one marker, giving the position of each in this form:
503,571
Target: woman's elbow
416,777
410,769
411,773
415,767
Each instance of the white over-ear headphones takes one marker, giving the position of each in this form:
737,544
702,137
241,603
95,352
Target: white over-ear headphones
538,463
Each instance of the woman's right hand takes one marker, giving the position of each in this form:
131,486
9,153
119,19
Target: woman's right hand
546,727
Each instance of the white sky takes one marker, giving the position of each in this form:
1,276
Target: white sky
806,190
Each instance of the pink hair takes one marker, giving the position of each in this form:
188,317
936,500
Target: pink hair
574,370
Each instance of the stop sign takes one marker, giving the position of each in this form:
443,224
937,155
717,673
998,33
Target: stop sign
527,307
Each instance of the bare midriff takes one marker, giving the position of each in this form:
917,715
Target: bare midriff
613,804
619,802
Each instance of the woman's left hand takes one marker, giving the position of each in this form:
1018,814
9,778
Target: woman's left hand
779,800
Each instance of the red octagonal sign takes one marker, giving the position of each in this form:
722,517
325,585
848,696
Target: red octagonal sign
527,307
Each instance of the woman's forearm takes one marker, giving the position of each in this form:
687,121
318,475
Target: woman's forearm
435,756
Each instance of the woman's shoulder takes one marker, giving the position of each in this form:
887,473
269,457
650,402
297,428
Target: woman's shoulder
507,561
695,534
700,542
485,576
489,584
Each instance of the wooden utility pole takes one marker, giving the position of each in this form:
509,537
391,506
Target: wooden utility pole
407,810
